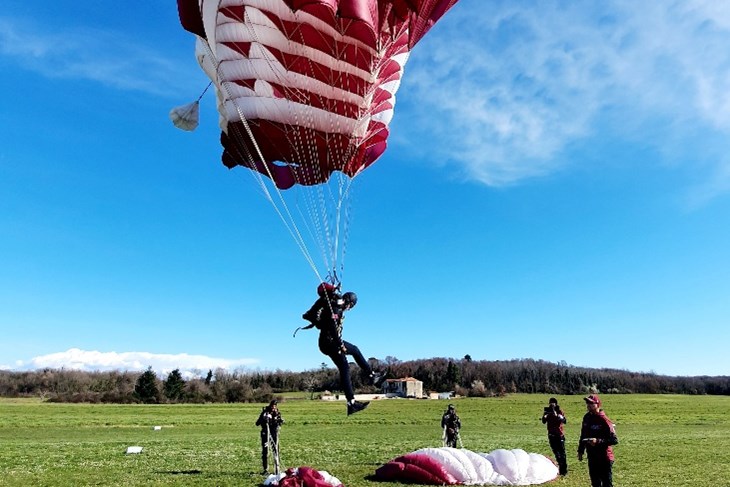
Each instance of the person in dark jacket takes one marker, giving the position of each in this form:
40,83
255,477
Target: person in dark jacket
270,421
451,424
597,436
327,314
554,418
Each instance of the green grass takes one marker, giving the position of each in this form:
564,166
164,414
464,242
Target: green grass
664,440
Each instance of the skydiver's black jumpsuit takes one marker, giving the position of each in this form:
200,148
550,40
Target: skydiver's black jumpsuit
327,315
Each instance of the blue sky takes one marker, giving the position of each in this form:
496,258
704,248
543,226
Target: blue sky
556,187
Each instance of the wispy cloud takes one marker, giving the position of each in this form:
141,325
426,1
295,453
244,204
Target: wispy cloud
114,59
90,360
514,86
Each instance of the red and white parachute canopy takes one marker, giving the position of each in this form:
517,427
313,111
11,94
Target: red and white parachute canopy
451,466
306,90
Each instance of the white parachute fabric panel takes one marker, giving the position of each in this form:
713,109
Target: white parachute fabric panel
506,463
260,63
467,467
445,457
522,468
484,473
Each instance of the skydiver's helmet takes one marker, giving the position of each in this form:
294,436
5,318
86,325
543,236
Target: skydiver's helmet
350,299
450,408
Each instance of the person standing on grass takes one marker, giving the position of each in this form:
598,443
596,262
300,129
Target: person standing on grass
270,421
451,424
597,436
554,418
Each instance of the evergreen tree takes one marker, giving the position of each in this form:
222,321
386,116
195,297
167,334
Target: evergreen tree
145,390
453,375
174,386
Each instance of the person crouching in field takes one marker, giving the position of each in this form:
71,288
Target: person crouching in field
554,418
270,421
597,435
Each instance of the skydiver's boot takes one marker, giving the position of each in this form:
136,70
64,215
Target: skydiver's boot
356,406
377,378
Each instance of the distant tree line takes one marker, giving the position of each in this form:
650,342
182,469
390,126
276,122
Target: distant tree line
465,377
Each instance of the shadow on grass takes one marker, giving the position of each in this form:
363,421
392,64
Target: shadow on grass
182,472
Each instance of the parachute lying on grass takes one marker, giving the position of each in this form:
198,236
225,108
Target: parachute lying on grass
305,92
303,477
451,466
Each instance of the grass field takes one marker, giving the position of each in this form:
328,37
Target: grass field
665,440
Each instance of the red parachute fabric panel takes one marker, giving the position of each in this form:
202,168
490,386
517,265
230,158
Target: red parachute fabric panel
314,80
417,468
304,477
190,18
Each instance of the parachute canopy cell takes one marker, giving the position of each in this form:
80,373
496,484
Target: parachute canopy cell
306,87
451,466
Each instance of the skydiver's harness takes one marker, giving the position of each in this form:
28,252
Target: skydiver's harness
314,316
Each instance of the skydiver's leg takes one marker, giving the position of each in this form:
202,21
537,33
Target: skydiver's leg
340,361
359,359
557,444
452,440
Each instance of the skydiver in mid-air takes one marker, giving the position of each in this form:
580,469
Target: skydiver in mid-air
327,314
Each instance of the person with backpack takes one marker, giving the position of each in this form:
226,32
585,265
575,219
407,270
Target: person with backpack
270,421
554,418
327,315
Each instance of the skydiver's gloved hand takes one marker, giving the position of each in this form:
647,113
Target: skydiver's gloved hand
580,457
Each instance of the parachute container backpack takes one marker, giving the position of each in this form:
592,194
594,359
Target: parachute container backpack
305,92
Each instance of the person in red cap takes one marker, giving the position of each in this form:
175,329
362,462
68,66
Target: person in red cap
597,436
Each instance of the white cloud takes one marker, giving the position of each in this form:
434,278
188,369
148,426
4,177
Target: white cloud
89,360
113,59
514,86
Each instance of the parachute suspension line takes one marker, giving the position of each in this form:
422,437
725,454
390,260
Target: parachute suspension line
338,157
317,212
290,224
305,142
206,88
